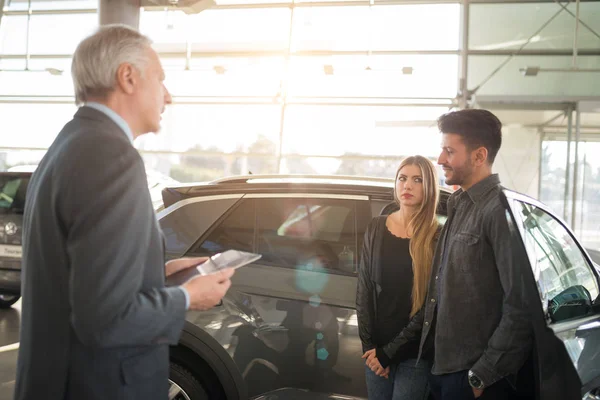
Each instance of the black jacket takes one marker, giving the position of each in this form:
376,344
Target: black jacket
548,369
369,285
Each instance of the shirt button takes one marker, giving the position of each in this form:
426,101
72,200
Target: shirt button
426,323
437,276
433,300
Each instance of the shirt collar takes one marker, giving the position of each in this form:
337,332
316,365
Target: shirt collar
476,191
116,118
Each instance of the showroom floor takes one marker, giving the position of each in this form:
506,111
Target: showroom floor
9,339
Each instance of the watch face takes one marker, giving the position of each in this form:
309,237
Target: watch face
475,382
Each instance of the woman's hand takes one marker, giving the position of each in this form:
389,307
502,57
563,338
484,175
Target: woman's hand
373,363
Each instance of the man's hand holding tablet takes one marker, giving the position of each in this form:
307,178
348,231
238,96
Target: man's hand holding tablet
207,279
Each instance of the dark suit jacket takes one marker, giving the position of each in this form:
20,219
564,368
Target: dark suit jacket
96,317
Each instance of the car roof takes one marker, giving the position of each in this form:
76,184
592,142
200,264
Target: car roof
294,183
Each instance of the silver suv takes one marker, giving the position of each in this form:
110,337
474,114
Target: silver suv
13,186
288,326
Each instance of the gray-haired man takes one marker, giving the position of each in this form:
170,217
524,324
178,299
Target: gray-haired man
97,318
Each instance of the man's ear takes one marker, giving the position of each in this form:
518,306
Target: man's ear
127,78
480,156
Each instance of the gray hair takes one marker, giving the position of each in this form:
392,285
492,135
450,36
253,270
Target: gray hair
97,59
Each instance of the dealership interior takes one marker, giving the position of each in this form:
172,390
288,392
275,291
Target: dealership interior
323,88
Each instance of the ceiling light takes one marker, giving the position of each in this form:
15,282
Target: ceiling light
328,69
219,69
530,71
54,71
533,71
407,70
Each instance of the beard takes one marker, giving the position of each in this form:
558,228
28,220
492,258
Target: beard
460,174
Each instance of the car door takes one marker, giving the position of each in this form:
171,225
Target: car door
567,285
292,314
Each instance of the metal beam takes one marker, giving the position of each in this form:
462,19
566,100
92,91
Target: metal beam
580,21
255,100
1,10
576,165
568,161
52,12
333,53
235,154
535,52
283,91
583,190
563,127
503,64
295,5
366,52
590,136
354,3
551,120
119,12
533,103
540,150
463,86
576,35
521,1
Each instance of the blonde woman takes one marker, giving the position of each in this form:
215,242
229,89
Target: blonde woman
394,273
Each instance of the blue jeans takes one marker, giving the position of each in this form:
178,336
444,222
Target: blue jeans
407,381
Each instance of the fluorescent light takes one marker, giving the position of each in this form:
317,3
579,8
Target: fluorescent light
530,71
533,71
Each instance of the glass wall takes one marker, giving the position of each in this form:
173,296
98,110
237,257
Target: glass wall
554,179
264,89
295,86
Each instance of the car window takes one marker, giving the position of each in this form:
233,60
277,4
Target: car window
307,233
235,231
560,267
12,194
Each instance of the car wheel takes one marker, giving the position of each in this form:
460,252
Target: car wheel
7,300
184,386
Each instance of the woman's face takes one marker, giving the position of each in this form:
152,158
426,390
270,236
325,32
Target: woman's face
409,186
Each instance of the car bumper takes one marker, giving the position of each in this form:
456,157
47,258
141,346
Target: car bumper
10,282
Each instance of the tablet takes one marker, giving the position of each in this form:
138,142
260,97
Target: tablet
227,259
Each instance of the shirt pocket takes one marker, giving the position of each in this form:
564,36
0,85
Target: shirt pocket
465,251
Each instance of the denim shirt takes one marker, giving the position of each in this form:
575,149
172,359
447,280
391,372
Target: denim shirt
475,303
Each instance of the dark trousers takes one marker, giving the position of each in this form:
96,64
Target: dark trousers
455,386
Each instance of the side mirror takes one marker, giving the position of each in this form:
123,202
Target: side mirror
572,302
596,305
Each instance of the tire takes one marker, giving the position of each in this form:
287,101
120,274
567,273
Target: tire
7,300
184,386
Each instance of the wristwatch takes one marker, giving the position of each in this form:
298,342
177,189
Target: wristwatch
474,381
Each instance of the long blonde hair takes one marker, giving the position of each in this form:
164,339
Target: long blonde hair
424,227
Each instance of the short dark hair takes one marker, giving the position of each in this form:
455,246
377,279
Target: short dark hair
478,128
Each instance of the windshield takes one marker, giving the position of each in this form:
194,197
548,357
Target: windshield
12,194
